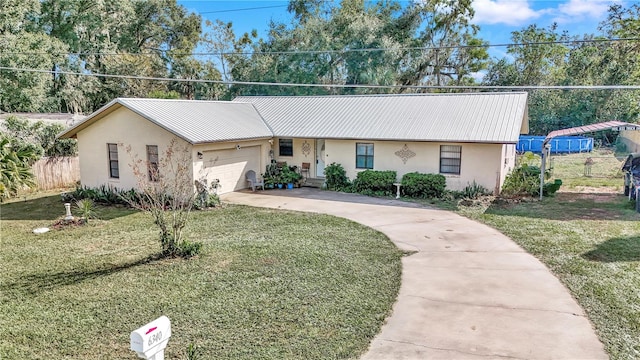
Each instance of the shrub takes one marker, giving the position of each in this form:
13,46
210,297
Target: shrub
336,177
525,180
86,209
474,191
375,182
420,185
105,195
550,188
187,249
522,180
207,197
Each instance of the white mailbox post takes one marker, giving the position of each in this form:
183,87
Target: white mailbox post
149,341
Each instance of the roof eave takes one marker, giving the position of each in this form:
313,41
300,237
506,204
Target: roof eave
93,117
204,142
467,141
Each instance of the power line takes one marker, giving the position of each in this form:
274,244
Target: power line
328,51
242,9
452,87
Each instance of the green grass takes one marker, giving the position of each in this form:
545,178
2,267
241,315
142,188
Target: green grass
269,284
605,170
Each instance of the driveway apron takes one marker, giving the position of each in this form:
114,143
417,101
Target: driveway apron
468,291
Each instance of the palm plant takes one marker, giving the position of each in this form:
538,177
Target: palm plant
86,209
15,167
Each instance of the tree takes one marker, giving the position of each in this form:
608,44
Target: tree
318,47
28,91
166,192
537,60
119,37
41,136
14,15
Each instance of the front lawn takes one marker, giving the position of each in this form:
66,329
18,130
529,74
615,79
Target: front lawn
591,242
269,284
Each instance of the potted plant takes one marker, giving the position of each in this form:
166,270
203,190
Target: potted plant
285,176
269,182
279,180
296,177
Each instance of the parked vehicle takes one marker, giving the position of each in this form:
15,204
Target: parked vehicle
631,170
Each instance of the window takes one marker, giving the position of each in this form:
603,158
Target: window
364,156
152,162
114,172
286,147
450,159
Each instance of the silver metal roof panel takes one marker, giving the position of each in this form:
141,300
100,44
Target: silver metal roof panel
192,120
467,117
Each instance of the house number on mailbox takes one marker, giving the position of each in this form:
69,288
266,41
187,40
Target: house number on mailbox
155,338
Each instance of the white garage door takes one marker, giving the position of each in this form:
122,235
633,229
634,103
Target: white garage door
230,166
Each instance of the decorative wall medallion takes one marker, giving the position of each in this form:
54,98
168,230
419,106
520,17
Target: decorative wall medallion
306,148
405,154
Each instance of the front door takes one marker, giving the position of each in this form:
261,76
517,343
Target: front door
320,158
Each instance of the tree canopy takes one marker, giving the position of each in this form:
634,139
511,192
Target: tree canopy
582,60
346,42
153,38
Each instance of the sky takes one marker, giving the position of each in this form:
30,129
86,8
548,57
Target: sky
496,18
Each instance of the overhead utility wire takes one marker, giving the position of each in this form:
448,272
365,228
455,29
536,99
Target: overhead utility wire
336,51
476,87
242,9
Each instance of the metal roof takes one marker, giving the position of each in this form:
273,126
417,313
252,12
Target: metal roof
192,120
468,117
609,125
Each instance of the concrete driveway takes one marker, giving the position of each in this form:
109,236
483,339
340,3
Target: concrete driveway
468,292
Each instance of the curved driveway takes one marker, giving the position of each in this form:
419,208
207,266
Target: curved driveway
468,292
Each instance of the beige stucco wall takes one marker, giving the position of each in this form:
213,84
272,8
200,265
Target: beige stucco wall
487,164
631,139
125,128
206,168
304,150
508,162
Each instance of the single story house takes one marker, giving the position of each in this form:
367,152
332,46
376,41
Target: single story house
466,137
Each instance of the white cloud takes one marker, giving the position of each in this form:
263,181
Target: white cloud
507,12
478,76
577,10
584,7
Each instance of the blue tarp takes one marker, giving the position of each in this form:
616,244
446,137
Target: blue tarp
560,144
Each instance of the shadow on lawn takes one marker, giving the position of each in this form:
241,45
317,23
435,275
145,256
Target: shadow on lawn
38,283
52,208
616,250
572,206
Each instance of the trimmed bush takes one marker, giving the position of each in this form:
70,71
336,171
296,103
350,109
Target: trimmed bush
336,177
375,182
420,185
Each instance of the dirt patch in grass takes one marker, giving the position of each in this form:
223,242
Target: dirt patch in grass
567,206
593,196
610,190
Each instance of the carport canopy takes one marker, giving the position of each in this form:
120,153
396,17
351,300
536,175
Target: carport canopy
608,125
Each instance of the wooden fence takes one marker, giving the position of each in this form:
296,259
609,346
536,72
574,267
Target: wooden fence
56,172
